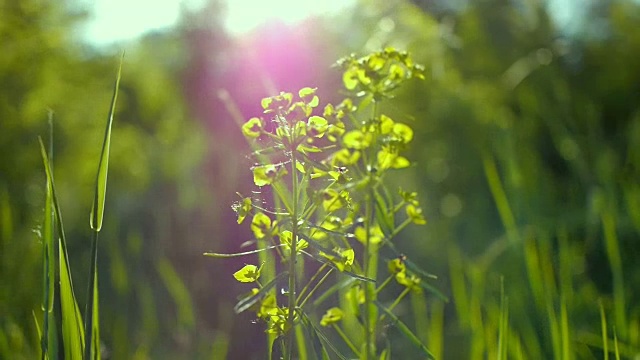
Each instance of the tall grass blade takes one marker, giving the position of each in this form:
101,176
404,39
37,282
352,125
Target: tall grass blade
97,209
72,330
503,327
49,270
92,329
612,247
500,197
179,293
615,344
605,336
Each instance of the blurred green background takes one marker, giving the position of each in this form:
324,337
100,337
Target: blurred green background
527,155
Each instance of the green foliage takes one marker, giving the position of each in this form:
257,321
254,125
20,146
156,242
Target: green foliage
329,173
79,342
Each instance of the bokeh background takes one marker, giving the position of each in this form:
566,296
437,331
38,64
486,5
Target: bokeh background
526,150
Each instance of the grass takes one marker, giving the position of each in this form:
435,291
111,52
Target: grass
80,341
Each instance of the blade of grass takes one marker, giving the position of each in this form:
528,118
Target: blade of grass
605,336
179,293
500,197
97,209
92,330
615,344
48,261
72,330
613,254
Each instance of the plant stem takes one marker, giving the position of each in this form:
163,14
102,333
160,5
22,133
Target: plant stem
313,278
346,339
385,283
315,287
294,250
88,320
370,260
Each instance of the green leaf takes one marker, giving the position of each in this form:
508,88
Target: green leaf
249,273
404,329
97,209
49,270
72,329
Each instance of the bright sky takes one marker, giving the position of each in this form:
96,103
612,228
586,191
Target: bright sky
122,20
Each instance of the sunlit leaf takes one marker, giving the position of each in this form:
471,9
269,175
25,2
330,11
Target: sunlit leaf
249,273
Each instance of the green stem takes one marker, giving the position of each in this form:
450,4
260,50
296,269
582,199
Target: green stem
294,250
315,287
397,301
385,283
397,230
370,259
313,278
346,340
88,320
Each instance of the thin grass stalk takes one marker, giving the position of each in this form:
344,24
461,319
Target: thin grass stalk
565,326
603,326
48,253
613,254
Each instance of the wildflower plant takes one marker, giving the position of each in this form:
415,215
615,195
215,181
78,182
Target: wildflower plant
327,167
